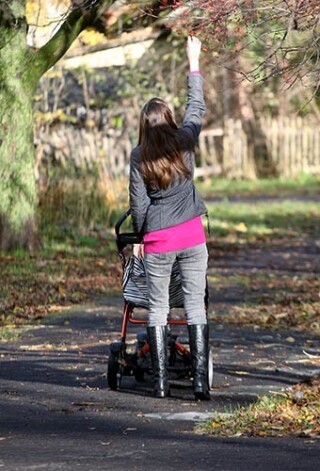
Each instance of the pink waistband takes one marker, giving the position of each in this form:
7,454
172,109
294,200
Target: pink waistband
184,235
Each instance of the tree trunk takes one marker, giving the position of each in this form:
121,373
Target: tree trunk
17,157
20,71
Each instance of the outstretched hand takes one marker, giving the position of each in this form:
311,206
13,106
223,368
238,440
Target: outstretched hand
193,52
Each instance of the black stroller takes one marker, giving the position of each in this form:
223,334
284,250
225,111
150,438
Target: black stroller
138,363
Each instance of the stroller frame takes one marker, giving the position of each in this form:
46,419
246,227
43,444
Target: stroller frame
120,362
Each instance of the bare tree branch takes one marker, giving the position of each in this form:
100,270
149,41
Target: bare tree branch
286,34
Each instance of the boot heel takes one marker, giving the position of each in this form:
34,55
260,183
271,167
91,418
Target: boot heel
202,396
157,336
199,349
161,389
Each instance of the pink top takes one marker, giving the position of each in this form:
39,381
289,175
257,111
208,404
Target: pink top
182,236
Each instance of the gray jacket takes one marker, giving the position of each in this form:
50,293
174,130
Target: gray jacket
153,209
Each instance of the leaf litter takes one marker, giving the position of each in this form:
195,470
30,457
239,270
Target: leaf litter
293,412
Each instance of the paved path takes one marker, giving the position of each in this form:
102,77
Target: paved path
57,413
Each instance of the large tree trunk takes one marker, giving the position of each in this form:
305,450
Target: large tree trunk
17,180
20,71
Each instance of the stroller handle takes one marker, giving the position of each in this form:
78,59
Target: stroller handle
121,220
126,237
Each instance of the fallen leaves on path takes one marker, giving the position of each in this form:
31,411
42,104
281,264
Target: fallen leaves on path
302,317
293,412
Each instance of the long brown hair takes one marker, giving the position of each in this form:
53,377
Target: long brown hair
161,156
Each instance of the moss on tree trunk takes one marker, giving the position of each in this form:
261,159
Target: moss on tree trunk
20,71
17,180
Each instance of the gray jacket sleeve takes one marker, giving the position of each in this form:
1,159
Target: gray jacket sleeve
195,107
139,200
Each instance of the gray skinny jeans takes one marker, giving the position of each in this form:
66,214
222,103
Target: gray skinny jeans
193,264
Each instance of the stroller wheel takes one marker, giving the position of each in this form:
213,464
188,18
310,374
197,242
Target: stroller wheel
113,374
210,368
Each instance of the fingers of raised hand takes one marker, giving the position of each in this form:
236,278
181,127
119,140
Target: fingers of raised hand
193,46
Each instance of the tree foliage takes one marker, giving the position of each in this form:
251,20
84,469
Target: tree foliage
284,34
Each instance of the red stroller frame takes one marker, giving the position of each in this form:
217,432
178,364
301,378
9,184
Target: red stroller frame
121,363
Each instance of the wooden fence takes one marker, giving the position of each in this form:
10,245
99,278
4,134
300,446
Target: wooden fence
286,146
293,144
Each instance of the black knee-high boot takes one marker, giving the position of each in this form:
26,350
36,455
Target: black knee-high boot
158,346
199,349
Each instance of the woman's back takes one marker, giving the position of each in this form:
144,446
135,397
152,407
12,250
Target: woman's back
154,208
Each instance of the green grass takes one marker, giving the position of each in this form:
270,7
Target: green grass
20,269
79,246
261,219
9,334
278,187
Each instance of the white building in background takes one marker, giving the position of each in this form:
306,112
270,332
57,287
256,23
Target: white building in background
113,54
129,47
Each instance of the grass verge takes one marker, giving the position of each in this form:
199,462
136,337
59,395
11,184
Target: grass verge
69,271
264,220
79,263
304,317
295,412
269,277
269,299
304,185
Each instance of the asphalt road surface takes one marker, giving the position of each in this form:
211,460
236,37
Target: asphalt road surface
57,413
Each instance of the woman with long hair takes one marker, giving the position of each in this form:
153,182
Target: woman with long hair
166,210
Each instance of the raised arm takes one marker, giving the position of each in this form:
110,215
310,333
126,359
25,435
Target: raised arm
195,107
